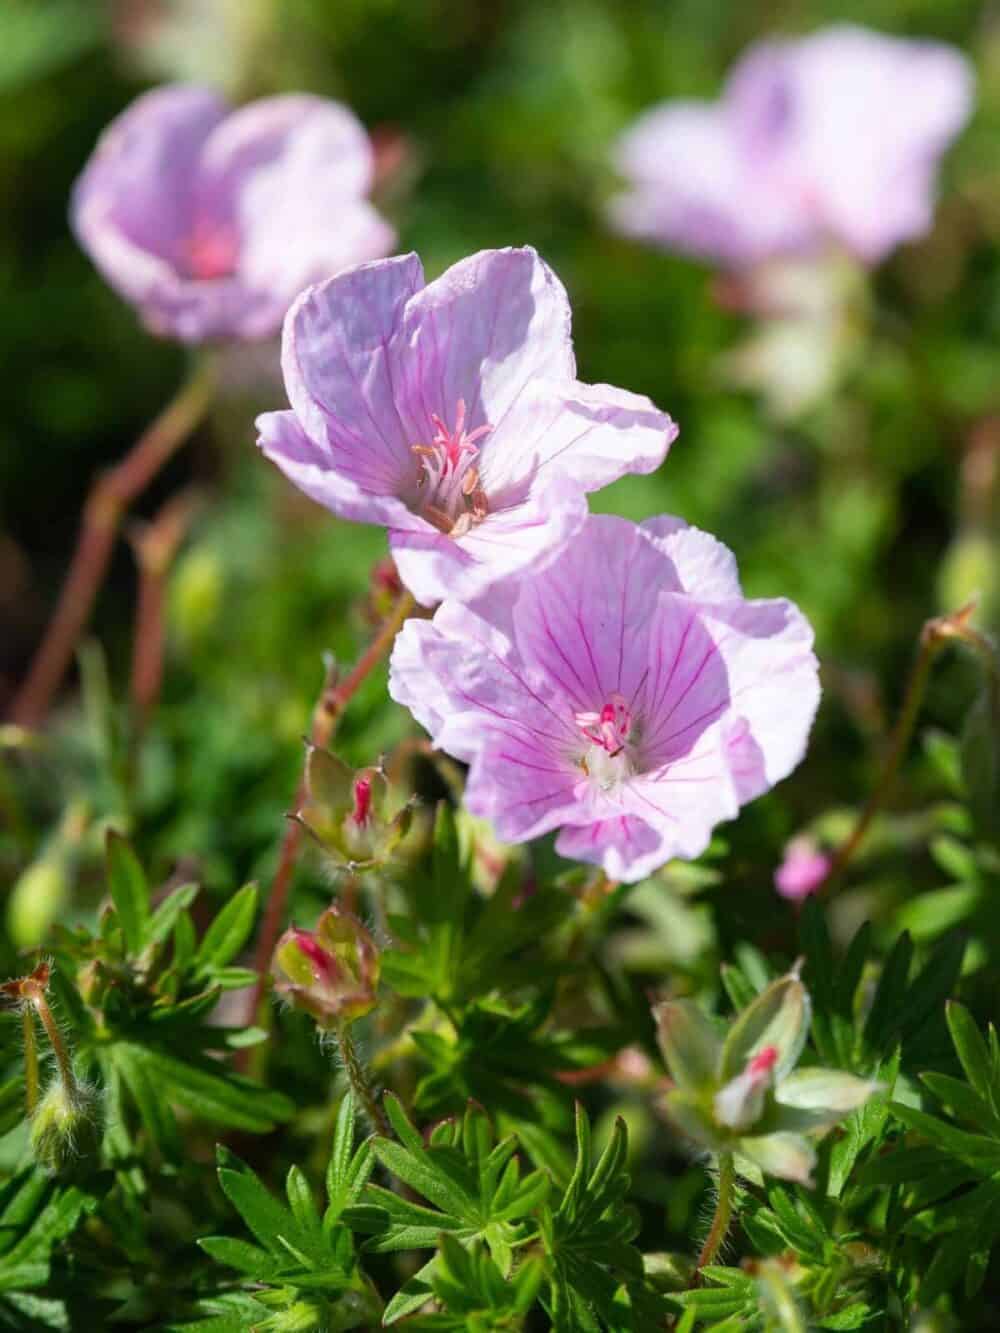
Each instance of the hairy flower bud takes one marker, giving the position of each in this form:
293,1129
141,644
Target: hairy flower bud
67,1127
331,972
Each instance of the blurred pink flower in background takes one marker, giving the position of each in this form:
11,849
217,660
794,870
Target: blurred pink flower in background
451,413
802,871
212,221
830,139
629,696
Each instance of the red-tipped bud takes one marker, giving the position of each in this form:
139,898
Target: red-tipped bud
331,972
362,800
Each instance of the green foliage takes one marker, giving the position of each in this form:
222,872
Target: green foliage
513,987
304,1259
140,1018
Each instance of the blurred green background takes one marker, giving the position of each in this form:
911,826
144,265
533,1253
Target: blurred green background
871,510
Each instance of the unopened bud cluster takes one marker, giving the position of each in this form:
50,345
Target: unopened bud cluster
742,1094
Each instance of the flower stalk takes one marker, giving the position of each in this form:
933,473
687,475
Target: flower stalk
935,634
109,499
330,707
723,1215
358,1078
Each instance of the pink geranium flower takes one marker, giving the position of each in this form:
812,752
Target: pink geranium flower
211,221
451,413
629,696
833,138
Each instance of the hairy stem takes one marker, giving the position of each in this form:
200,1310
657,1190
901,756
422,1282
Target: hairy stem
933,637
30,1060
358,1079
41,1006
326,715
723,1211
108,501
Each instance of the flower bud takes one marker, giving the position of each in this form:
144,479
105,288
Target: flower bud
67,1127
740,1103
36,900
332,972
345,812
802,870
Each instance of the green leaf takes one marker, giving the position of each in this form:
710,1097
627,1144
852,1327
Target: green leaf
971,1049
207,1090
229,932
129,891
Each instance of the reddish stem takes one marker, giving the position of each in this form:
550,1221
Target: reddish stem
155,549
326,715
109,498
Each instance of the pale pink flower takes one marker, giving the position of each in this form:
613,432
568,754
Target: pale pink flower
450,412
629,696
834,138
212,221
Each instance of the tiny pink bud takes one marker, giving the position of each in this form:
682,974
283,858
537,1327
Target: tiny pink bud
362,799
764,1061
802,871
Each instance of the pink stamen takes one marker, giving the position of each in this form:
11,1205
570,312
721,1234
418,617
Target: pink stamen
212,251
454,497
611,727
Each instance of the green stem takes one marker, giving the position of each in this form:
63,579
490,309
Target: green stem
30,1060
723,1211
358,1079
933,637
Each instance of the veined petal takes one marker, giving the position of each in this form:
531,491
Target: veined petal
703,567
529,535
306,463
481,333
625,847
593,432
337,373
585,621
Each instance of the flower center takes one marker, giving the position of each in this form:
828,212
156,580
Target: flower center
610,728
607,759
212,250
452,498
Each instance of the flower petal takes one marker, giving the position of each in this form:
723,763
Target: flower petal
695,192
337,374
480,333
132,208
703,567
594,432
530,535
307,465
625,847
291,171
585,621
